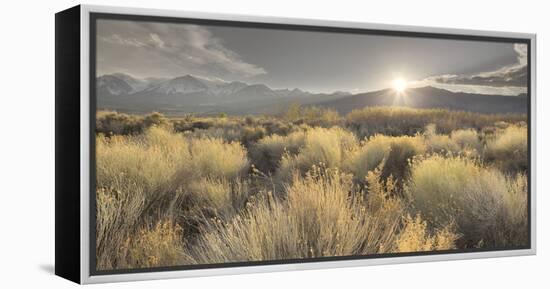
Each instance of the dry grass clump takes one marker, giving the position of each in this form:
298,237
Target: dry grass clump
508,150
114,123
146,177
414,234
227,134
216,158
457,189
268,152
439,143
438,186
246,135
319,218
118,213
111,122
391,152
324,147
158,246
467,139
368,156
133,174
396,165
148,161
513,229
415,237
395,121
391,121
312,115
221,197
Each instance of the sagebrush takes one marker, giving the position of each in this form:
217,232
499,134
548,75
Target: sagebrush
307,183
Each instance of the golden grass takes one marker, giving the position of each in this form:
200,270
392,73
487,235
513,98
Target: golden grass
152,174
393,153
319,218
467,139
456,189
396,121
158,246
183,191
415,237
509,149
322,147
268,152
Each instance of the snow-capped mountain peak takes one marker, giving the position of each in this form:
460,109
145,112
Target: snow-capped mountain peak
181,85
135,83
112,85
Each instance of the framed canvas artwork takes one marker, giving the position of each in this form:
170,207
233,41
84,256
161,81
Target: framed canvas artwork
192,144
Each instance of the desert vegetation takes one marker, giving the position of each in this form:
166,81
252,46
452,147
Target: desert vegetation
307,183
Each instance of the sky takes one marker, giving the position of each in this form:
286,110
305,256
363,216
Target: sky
312,61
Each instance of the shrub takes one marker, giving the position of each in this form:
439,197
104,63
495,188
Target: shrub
414,234
513,229
118,213
201,124
509,150
439,143
456,189
293,112
391,152
368,156
114,123
415,237
156,119
402,150
223,197
466,139
226,134
149,161
230,132
135,174
312,115
319,218
145,178
158,246
211,157
395,121
316,116
267,153
178,191
322,147
111,122
273,127
251,134
183,124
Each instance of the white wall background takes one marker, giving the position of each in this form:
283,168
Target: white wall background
27,142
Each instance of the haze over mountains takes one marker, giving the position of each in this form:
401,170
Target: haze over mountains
193,94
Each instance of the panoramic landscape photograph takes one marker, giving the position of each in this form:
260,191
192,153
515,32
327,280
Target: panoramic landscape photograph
220,144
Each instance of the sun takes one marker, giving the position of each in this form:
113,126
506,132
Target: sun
399,85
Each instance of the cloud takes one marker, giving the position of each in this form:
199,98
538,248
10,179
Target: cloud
156,40
510,78
117,39
521,50
469,88
505,77
190,48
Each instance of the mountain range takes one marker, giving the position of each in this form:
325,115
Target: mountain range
194,94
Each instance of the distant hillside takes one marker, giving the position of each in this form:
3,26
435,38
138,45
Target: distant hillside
431,97
193,94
